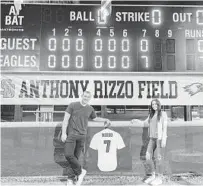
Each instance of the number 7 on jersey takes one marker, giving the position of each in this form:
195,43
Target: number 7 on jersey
108,143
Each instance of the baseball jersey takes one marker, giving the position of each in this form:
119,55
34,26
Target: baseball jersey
106,142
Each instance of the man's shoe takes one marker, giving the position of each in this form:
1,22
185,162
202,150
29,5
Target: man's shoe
70,182
146,177
157,181
81,177
150,179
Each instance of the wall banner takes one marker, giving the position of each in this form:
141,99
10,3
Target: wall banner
108,89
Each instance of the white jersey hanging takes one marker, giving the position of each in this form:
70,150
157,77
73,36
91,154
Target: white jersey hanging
106,142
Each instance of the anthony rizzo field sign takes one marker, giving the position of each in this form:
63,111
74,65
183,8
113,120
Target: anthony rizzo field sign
114,89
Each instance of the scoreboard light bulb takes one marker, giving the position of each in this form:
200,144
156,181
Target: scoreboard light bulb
125,62
101,17
146,61
79,44
200,45
154,13
65,61
104,11
98,61
110,60
199,16
52,44
79,61
98,49
125,42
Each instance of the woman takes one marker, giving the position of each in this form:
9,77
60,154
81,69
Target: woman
157,123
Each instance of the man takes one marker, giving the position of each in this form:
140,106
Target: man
74,131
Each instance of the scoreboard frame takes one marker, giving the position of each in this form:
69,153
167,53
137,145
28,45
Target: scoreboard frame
138,67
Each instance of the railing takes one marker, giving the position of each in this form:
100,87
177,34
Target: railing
45,116
197,123
43,1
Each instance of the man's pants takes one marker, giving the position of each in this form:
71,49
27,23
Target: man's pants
155,163
73,147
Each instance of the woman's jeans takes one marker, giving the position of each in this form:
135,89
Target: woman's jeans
155,164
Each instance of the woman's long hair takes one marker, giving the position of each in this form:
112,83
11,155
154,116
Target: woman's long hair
152,111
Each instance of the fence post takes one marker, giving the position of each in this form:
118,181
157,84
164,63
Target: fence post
188,134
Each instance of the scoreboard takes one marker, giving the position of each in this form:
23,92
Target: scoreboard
132,38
